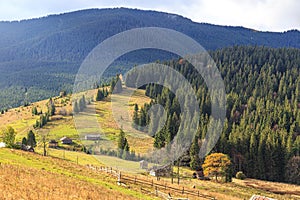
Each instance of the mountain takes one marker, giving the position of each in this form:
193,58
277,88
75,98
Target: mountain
40,57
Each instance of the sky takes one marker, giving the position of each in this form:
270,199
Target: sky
263,15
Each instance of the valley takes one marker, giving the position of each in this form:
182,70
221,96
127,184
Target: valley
94,106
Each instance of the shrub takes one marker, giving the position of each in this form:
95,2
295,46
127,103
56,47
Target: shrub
240,175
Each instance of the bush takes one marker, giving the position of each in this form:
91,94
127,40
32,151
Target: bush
240,175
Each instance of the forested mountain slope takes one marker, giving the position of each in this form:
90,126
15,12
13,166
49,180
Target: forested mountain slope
40,57
262,128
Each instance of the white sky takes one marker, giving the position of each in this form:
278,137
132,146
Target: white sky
266,15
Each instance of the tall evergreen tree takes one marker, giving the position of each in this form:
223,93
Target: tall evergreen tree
75,107
31,139
99,95
24,141
116,85
123,145
34,111
51,107
136,115
82,103
195,162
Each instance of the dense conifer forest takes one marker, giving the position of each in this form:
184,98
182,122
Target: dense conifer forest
261,132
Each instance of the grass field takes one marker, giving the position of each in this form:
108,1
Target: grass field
56,175
72,156
238,189
31,176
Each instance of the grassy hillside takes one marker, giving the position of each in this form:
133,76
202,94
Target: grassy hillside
31,176
64,172
22,120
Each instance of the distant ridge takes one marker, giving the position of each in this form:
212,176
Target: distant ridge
41,56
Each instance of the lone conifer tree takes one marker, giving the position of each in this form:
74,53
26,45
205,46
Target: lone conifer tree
123,145
31,139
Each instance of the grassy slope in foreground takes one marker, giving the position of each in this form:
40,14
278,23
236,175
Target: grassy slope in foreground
31,176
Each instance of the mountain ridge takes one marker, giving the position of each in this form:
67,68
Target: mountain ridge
43,55
143,10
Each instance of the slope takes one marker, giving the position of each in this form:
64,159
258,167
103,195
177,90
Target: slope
31,176
40,57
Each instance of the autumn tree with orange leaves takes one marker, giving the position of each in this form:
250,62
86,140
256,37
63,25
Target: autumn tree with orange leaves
217,165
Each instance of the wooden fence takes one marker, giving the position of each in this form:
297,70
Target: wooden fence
126,179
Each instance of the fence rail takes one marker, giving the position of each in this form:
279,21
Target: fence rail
136,181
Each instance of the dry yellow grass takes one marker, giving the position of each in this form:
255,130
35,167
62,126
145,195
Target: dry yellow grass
243,189
31,176
273,187
236,190
21,119
17,182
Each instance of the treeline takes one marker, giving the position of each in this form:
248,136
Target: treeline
262,128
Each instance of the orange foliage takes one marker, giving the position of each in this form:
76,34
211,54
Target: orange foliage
216,164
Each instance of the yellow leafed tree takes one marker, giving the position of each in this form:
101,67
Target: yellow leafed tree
216,164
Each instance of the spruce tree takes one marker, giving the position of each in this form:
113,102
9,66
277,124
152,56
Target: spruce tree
75,107
116,85
24,141
112,85
195,163
34,111
51,107
82,103
31,139
135,115
99,95
167,131
123,145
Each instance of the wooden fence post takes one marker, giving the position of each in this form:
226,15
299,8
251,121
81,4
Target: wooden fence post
119,177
